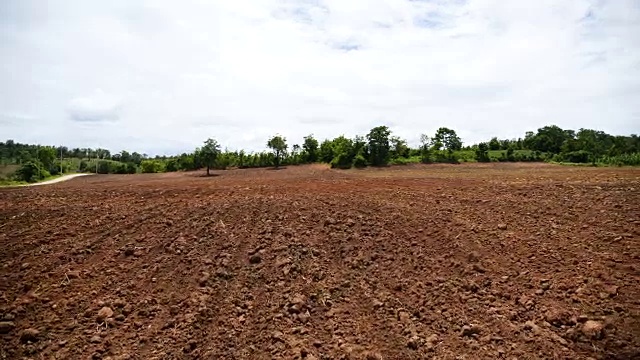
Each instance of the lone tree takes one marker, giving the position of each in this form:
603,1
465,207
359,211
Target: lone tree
379,146
279,146
209,153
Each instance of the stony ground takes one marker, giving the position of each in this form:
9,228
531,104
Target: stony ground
445,262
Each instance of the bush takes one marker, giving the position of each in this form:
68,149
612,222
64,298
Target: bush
131,168
359,161
171,165
55,168
580,156
405,161
83,166
151,166
342,161
446,157
621,160
31,172
482,153
465,155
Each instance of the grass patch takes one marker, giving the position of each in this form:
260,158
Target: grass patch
405,161
9,182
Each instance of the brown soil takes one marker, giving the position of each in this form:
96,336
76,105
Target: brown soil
448,262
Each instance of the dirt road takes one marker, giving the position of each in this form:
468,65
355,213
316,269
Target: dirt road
58,179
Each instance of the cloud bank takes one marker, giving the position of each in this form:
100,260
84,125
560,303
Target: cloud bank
161,76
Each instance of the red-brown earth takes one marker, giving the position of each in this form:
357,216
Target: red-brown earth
514,261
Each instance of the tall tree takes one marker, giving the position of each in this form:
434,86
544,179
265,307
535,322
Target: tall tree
208,153
494,144
448,138
47,155
278,145
482,152
399,147
310,147
549,139
379,146
425,148
326,151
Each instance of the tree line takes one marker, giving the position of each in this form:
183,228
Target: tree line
377,148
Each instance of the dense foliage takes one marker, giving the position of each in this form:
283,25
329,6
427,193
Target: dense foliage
378,148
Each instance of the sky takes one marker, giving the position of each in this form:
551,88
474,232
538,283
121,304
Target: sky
160,77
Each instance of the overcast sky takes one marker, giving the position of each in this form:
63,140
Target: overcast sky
162,76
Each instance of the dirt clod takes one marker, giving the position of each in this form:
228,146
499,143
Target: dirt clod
413,343
104,313
530,325
470,330
593,329
29,335
95,339
6,327
255,259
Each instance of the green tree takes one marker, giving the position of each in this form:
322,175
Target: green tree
379,147
46,156
425,149
151,166
549,139
448,138
171,165
208,154
399,148
31,171
494,144
278,145
310,148
482,152
326,151
343,153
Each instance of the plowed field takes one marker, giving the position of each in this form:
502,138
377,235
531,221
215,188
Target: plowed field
446,262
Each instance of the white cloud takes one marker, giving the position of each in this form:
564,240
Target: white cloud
98,106
172,74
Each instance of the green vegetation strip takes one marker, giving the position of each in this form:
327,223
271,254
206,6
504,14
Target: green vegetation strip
24,163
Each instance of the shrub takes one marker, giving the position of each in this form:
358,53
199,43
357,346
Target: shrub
482,153
621,160
131,168
151,166
342,161
31,172
580,156
171,165
359,161
55,168
446,157
405,161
